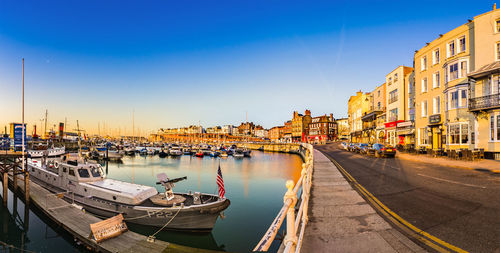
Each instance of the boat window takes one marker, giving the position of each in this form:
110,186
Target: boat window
71,172
65,169
84,173
95,171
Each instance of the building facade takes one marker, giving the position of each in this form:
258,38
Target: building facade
442,120
484,85
300,126
357,106
343,128
374,119
322,129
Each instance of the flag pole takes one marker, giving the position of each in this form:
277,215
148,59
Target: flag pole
24,130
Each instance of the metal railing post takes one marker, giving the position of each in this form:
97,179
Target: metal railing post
291,236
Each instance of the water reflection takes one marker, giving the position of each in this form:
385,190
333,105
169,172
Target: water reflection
255,187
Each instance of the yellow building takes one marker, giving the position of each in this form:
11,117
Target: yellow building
442,119
357,106
300,126
374,119
485,84
396,99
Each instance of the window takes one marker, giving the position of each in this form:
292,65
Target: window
423,63
454,100
435,56
492,128
453,71
461,43
396,77
436,108
498,51
458,133
378,105
393,115
393,96
390,80
463,98
424,108
435,81
463,69
498,26
498,127
84,173
424,137
379,93
424,84
71,172
451,49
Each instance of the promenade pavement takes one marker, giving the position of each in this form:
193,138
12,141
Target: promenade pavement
488,165
340,220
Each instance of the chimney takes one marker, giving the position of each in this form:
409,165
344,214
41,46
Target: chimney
331,117
308,112
494,6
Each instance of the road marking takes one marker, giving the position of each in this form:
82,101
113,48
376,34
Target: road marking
420,235
453,182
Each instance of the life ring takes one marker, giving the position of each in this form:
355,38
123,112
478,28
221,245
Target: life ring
56,164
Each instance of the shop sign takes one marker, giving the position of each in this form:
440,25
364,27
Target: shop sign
434,119
405,124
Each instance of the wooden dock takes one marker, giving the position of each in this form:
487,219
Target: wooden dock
77,223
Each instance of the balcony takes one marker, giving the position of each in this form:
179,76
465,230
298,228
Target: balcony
371,114
484,103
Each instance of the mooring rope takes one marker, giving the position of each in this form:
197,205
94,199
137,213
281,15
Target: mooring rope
14,247
166,224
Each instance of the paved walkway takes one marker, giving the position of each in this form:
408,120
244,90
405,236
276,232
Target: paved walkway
341,221
483,164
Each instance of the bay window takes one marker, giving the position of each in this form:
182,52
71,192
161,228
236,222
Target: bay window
458,133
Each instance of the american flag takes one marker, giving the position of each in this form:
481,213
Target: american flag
220,183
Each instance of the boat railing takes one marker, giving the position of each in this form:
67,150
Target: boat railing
296,221
59,195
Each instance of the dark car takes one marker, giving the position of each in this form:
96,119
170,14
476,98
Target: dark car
365,149
351,146
384,151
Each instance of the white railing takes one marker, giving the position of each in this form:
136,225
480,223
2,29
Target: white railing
294,221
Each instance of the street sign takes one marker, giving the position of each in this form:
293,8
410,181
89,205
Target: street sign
108,228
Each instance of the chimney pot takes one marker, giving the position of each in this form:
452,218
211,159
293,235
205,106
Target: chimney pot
494,6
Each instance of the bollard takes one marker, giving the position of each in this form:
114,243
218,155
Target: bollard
5,187
291,236
26,188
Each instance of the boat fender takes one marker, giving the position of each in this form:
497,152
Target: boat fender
56,164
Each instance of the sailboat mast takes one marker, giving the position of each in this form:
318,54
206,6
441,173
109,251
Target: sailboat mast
23,123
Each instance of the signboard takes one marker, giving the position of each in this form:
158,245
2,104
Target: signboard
392,124
405,124
108,228
16,135
435,119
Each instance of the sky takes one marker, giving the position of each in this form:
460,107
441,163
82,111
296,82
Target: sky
163,64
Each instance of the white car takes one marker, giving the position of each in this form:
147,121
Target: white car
344,145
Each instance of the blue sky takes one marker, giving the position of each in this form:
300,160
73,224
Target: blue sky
177,63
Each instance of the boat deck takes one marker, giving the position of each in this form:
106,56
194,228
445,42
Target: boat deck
77,223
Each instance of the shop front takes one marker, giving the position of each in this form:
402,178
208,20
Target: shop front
435,132
406,133
391,133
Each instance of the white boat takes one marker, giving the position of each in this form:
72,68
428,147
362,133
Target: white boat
175,151
50,152
86,185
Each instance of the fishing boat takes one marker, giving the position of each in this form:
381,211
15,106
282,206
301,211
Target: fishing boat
50,152
86,185
163,154
246,152
175,151
238,153
199,153
223,154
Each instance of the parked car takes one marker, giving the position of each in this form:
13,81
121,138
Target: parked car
364,149
359,147
370,150
351,147
384,151
343,145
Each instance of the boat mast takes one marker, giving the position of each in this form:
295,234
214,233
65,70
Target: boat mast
46,115
22,125
79,142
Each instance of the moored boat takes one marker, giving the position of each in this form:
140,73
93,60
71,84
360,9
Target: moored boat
86,185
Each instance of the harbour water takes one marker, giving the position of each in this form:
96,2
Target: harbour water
254,185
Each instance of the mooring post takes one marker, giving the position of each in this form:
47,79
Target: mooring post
5,187
14,179
26,188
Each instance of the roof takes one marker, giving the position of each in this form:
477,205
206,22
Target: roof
486,70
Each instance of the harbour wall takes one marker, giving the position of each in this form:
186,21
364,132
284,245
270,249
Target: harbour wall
292,148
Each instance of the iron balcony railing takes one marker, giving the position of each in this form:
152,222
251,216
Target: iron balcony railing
484,102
